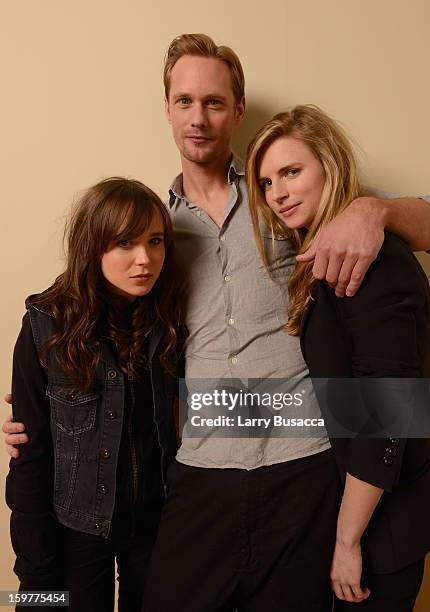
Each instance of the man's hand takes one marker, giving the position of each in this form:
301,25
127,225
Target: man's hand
347,246
12,431
345,573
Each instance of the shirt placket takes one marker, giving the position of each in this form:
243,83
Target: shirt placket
229,284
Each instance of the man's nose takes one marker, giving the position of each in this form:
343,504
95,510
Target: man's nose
198,118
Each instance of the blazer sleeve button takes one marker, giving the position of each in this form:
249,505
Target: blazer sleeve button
387,461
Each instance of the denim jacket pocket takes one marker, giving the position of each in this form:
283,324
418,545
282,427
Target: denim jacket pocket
73,418
73,411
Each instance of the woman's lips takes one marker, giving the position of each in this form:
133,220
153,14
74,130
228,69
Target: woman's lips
141,276
286,212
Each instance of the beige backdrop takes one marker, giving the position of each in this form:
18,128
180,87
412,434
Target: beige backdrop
81,99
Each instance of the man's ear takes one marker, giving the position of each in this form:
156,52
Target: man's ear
167,110
240,110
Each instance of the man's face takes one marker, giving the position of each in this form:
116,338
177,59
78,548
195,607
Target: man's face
201,108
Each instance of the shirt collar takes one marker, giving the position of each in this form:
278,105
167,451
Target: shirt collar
236,170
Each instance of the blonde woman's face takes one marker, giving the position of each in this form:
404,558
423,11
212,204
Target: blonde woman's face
292,179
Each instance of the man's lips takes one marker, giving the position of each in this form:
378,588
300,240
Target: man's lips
197,138
285,211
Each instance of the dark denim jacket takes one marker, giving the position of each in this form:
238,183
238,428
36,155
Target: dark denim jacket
86,431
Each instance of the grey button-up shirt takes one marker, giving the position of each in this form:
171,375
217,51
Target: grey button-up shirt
235,313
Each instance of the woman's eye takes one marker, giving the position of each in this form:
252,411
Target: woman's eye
156,240
293,171
265,184
124,243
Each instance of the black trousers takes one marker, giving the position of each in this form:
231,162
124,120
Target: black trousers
90,563
242,540
395,592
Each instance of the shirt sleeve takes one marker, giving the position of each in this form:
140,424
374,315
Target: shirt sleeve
388,195
381,320
35,533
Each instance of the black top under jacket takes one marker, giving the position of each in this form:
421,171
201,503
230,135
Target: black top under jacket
381,332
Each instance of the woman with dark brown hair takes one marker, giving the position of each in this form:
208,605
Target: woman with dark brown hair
94,384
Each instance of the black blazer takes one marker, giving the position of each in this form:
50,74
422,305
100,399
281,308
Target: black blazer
383,331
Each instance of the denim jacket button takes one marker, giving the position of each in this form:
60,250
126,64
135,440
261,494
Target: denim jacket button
112,415
112,373
103,489
106,453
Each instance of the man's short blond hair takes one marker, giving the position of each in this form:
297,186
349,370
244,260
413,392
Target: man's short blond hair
202,45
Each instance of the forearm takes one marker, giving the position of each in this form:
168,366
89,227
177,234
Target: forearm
358,504
409,218
38,542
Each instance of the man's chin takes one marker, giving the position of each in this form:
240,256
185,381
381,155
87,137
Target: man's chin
199,156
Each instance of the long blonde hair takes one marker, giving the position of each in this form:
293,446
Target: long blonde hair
332,148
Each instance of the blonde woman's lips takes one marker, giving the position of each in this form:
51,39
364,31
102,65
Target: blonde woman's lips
286,212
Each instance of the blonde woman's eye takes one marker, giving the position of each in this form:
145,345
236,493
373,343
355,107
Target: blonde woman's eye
265,184
293,171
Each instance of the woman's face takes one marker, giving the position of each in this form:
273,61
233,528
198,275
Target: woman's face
292,179
131,267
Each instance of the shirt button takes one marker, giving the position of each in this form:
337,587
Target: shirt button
234,360
105,453
112,415
231,321
227,278
112,374
222,238
103,489
199,212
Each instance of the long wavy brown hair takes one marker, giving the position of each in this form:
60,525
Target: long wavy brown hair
84,308
331,146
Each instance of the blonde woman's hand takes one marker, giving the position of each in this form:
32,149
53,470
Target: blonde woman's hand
345,573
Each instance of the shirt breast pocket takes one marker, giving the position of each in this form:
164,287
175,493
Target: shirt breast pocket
279,254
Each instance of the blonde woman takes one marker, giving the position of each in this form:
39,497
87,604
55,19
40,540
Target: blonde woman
301,173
